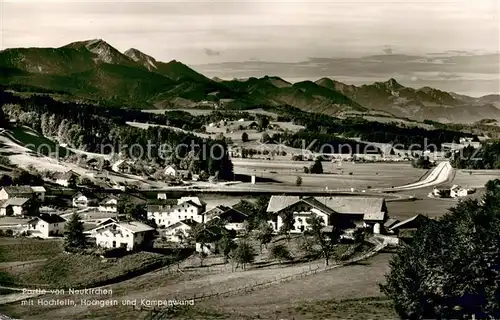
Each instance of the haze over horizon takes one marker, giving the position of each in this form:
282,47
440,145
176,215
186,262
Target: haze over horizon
230,39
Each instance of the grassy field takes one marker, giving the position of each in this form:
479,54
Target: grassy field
168,284
23,249
74,270
198,112
341,176
36,142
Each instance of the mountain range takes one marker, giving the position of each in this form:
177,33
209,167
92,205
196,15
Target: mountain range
97,71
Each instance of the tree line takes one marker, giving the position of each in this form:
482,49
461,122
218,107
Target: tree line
486,157
78,126
451,268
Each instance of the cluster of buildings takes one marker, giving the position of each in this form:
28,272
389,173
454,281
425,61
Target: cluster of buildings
463,143
175,218
18,200
455,191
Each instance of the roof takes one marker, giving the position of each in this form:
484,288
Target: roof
188,222
390,222
317,204
109,197
49,218
18,190
402,223
106,221
197,201
371,208
215,210
135,226
132,226
161,205
15,202
85,193
38,189
65,175
232,215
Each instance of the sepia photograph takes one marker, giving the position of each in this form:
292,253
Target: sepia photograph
249,159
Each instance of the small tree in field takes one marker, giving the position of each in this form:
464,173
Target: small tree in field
244,137
243,254
298,181
288,224
226,245
74,236
325,237
264,234
180,244
317,167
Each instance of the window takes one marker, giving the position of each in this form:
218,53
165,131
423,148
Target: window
114,244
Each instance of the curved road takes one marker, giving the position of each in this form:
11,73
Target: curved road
440,174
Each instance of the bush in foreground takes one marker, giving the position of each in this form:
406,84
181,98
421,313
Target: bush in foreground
451,269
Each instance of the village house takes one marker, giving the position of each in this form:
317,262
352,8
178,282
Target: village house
109,204
182,227
46,225
122,166
16,191
405,229
172,211
457,191
346,213
84,200
16,207
234,219
39,193
66,179
36,193
170,170
174,172
131,235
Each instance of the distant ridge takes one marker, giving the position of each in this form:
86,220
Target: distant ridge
95,70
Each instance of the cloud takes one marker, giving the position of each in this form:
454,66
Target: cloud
211,52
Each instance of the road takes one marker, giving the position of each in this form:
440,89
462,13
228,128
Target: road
440,174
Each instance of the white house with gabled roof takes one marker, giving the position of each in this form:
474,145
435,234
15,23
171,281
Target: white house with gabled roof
171,211
130,235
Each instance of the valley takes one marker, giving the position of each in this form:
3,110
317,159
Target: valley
238,198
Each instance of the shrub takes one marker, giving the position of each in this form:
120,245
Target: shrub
298,181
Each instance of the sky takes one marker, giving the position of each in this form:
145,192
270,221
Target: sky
199,32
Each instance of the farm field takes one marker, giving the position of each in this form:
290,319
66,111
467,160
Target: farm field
475,178
284,301
61,270
25,249
230,130
343,175
197,112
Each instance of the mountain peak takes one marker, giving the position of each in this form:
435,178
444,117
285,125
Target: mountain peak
393,84
140,57
104,51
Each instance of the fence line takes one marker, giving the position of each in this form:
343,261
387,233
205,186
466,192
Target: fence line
278,280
